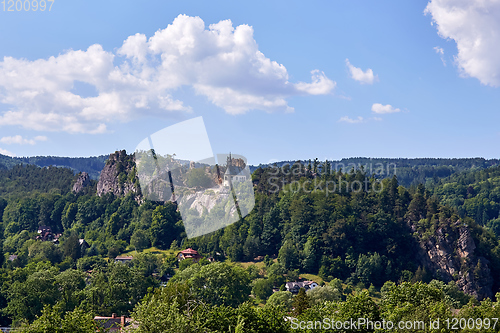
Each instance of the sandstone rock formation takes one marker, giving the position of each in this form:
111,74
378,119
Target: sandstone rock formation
82,181
451,253
119,176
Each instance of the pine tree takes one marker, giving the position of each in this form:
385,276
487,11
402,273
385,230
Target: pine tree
300,302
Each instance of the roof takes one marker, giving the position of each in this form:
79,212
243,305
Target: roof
291,285
112,322
124,258
189,251
108,322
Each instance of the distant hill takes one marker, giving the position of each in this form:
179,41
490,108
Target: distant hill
410,171
92,165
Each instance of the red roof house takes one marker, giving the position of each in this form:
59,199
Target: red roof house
189,253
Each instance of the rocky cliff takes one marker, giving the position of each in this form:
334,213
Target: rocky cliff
450,253
82,181
119,176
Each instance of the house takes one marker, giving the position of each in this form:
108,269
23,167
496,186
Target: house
294,287
189,253
124,259
45,234
113,323
234,173
83,244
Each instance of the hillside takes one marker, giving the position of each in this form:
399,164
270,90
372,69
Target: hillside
474,193
91,165
362,235
410,171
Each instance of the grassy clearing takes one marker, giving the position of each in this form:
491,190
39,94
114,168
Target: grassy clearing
312,277
259,264
153,250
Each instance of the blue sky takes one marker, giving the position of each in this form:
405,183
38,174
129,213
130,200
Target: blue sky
282,80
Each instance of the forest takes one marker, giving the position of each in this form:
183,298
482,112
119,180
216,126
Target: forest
367,249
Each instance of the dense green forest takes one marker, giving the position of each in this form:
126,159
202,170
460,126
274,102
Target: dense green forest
91,165
365,241
410,171
475,194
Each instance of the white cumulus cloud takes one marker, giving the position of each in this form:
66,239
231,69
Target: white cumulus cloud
381,109
7,153
18,139
474,25
357,74
221,62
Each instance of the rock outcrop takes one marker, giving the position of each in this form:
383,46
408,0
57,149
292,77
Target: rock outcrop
119,176
82,181
450,254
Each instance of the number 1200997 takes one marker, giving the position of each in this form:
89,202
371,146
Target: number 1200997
26,5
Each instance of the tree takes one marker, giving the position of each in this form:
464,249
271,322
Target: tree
262,288
415,302
300,302
115,288
166,311
163,226
219,283
70,283
270,237
251,247
72,247
146,263
69,215
369,269
56,320
115,223
88,263
33,288
319,295
44,251
358,306
288,255
281,299
311,258
139,240
275,273
174,245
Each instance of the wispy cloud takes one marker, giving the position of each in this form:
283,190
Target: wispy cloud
18,139
357,74
221,62
346,119
440,51
382,109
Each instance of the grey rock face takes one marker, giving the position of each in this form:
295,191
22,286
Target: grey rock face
115,176
82,181
450,252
